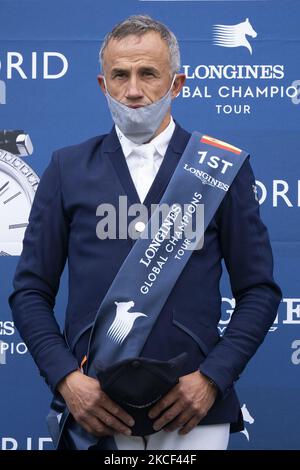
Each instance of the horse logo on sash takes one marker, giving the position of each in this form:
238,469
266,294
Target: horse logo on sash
123,322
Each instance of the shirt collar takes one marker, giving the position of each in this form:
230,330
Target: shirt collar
160,142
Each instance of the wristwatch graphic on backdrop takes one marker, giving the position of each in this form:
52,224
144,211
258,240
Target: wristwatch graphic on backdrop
18,184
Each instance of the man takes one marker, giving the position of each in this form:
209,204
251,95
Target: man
140,76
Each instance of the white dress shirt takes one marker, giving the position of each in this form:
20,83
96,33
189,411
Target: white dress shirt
144,160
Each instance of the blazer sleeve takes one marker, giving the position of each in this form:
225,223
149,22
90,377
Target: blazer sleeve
248,257
37,278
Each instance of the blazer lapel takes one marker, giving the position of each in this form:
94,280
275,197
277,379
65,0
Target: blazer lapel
113,152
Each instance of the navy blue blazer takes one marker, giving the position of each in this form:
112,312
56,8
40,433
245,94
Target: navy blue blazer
62,226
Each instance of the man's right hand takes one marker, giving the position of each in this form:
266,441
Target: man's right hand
92,408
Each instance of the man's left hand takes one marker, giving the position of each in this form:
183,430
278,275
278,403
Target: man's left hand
187,403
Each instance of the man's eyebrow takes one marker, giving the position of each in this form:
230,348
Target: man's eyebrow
118,70
148,68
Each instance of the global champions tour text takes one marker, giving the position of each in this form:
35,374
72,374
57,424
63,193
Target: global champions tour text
171,247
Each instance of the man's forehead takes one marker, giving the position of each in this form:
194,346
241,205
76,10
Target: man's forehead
149,47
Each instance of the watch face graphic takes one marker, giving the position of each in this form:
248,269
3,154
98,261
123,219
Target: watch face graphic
18,184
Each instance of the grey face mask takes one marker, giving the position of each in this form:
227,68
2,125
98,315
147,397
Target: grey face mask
139,124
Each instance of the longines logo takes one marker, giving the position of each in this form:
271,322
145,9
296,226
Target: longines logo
123,321
205,178
268,75
50,65
234,35
288,314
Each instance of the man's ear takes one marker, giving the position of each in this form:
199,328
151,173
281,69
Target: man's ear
178,84
100,79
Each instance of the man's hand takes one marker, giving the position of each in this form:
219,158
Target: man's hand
92,408
188,402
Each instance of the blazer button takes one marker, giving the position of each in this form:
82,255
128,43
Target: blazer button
140,226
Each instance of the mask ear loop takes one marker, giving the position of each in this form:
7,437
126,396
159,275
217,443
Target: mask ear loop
105,84
173,81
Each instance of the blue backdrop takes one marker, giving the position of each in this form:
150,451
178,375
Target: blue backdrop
248,94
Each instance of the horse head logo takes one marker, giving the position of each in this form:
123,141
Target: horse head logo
247,419
123,321
234,35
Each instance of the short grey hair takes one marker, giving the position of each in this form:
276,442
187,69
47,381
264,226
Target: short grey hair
139,25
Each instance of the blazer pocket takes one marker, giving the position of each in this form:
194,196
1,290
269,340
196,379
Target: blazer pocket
206,336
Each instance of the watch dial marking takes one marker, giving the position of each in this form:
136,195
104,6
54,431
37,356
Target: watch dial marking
12,197
18,225
5,184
